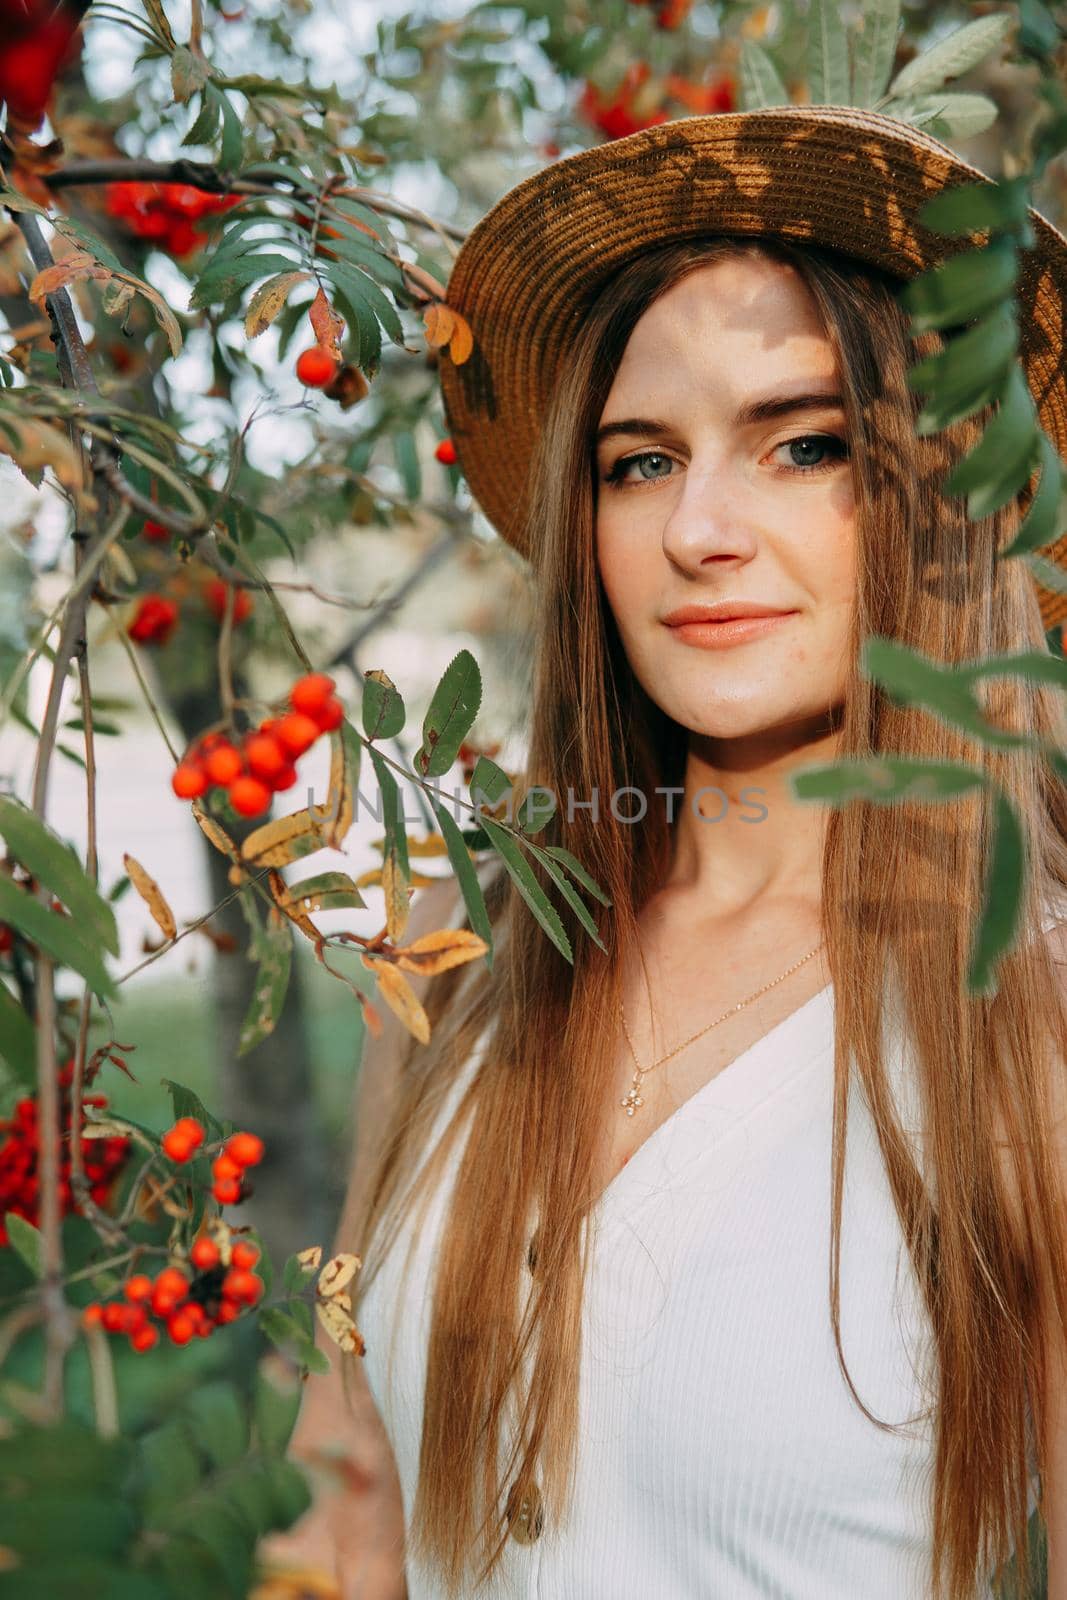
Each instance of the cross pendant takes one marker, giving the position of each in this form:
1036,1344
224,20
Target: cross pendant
633,1098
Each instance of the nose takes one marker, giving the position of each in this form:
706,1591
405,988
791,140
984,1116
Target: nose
709,522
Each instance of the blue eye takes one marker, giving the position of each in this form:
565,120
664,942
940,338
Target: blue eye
826,442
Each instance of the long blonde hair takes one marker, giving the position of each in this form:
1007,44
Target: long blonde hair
900,885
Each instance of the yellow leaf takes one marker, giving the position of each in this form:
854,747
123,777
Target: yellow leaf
337,1274
277,843
436,952
337,810
164,315
40,445
400,997
211,830
462,341
268,300
340,1327
290,908
372,879
150,893
309,1259
397,904
440,323
433,845
296,1583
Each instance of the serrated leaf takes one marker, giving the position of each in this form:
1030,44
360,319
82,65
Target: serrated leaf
453,707
874,46
188,73
953,55
827,55
383,708
575,868
205,126
944,114
53,863
467,877
519,871
760,81
54,933
269,299
359,285
489,783
577,905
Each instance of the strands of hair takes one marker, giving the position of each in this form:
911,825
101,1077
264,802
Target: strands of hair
900,884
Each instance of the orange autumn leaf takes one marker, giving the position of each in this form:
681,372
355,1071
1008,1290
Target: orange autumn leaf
436,952
462,341
400,997
329,327
151,894
440,324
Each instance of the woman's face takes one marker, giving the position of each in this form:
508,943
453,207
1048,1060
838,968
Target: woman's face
706,495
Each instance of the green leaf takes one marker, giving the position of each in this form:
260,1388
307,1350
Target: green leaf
54,933
280,1327
289,1488
76,1578
383,707
295,1276
453,707
18,1038
95,246
407,463
874,46
886,780
968,284
396,838
950,57
488,783
25,1240
273,950
827,55
1003,896
537,809
358,285
335,890
970,371
947,691
760,82
944,114
53,863
205,127
218,1423
94,1523
575,868
467,877
577,905
966,208
232,136
1043,522
519,870
1001,462
170,1467
276,1406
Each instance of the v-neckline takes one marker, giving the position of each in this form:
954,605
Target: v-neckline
729,1072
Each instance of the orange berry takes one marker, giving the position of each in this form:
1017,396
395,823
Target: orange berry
216,596
177,1146
223,764
310,693
297,733
243,1286
244,1255
315,368
204,1253
225,1168
331,715
228,1311
249,797
189,782
446,452
144,1338
245,1148
285,779
113,1316
139,1287
227,1191
265,757
92,1315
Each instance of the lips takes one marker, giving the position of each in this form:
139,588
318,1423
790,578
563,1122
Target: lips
722,611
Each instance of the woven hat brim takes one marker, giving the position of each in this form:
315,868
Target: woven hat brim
835,176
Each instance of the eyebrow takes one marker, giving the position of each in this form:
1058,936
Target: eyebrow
764,410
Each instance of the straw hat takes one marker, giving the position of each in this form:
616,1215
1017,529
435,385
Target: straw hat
837,176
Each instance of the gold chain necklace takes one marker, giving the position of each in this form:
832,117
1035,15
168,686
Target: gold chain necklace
633,1098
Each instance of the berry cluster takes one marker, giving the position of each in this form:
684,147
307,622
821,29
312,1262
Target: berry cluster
165,213
156,617
102,1159
264,762
186,1304
239,1151
637,102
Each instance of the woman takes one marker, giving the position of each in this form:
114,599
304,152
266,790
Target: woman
640,1320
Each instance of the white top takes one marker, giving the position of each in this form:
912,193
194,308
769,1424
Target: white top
721,1451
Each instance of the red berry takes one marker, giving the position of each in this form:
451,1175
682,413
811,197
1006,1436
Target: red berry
189,782
155,533
204,1253
285,779
154,620
315,368
169,1290
310,693
181,1327
216,593
331,715
446,452
249,797
92,1316
245,1148
228,1311
227,1191
244,1255
225,1168
243,1286
177,1146
139,1287
144,1338
112,1316
297,733
223,764
266,758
